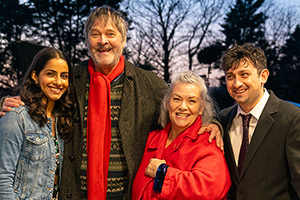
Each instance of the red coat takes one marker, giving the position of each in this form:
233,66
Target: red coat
197,169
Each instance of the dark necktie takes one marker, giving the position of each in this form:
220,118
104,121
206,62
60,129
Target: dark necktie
245,141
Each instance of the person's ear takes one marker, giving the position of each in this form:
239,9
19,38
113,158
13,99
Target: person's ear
201,110
124,42
264,76
34,77
168,107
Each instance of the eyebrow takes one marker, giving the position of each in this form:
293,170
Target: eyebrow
51,70
188,97
106,30
230,71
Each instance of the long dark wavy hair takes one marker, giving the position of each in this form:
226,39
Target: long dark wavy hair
32,95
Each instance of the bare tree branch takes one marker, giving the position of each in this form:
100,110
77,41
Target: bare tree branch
208,13
160,22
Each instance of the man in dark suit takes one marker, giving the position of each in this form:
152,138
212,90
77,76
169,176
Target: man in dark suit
264,157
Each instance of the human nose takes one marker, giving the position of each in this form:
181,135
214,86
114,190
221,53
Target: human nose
58,80
237,82
183,105
102,39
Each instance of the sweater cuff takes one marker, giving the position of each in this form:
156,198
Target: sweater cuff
160,177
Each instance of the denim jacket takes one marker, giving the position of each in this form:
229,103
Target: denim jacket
27,157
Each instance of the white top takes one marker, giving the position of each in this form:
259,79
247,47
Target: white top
236,129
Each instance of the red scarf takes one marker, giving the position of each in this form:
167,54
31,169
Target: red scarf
99,129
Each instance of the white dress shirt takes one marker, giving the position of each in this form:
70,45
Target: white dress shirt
236,129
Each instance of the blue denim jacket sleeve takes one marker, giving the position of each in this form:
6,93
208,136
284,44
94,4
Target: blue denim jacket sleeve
11,139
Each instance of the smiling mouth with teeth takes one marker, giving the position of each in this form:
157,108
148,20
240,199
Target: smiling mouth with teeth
103,50
240,91
55,90
182,115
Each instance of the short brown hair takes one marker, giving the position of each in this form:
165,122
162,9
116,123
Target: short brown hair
244,53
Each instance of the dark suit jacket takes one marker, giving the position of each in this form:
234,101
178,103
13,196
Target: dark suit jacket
272,166
140,107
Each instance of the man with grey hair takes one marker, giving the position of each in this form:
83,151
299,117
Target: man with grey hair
104,157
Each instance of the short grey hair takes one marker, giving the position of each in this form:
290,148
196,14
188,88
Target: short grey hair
106,14
207,103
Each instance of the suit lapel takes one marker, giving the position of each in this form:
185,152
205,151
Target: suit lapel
80,82
228,148
128,84
263,126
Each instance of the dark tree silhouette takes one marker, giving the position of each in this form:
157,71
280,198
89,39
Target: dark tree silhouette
14,20
210,54
243,23
288,74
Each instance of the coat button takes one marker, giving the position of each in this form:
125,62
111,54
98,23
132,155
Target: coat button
76,119
240,192
69,195
71,158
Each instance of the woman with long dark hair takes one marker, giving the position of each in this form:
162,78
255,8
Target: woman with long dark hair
31,138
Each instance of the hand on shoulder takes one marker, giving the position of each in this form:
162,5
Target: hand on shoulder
10,102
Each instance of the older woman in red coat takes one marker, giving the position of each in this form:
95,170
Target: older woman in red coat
178,163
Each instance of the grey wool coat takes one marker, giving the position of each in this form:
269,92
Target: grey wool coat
142,95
